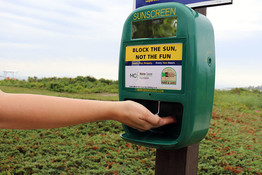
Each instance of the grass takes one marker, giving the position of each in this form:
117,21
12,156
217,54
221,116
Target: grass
232,146
235,99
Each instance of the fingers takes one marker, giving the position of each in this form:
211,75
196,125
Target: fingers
155,121
167,120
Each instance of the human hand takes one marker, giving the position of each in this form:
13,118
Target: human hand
139,117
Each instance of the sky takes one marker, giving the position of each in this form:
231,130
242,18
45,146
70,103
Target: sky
68,38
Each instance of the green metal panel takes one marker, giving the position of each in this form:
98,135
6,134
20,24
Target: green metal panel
192,101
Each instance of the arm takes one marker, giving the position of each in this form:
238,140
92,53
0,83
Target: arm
25,111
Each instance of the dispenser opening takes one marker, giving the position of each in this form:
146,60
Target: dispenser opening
163,109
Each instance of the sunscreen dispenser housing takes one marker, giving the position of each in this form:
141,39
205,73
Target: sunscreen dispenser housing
167,64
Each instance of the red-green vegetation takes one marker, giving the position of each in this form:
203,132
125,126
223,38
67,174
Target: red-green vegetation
234,141
232,146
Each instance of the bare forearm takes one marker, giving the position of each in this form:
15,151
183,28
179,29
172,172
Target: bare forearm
25,111
35,111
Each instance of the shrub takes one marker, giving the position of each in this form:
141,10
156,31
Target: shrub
80,84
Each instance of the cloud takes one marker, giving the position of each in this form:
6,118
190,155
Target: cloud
240,20
238,31
238,77
4,45
62,18
71,68
82,37
62,30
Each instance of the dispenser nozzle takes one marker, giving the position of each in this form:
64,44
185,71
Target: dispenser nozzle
158,108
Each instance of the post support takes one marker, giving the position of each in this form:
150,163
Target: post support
177,162
202,10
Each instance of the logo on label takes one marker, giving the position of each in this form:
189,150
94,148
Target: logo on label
141,75
168,76
134,75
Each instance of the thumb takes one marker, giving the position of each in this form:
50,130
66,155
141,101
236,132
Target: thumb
154,120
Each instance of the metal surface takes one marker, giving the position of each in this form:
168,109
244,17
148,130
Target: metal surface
189,3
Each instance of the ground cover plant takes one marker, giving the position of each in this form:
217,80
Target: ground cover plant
232,146
234,141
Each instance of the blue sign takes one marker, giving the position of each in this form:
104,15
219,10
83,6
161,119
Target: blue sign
190,3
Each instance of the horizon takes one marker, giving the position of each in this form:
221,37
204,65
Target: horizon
41,77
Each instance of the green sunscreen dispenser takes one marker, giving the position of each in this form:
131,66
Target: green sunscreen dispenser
167,64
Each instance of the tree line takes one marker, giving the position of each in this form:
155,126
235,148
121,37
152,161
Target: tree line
79,84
